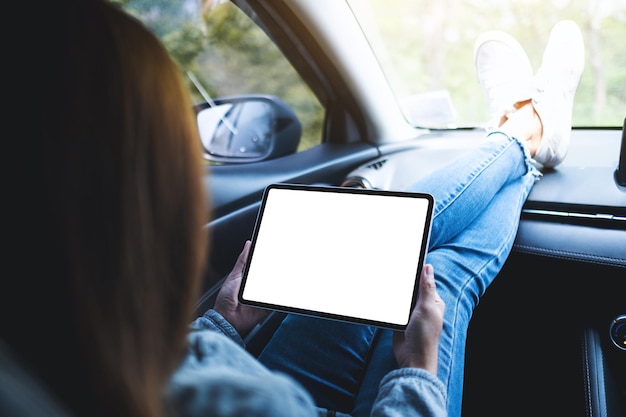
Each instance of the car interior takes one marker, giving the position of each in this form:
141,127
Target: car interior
545,322
549,336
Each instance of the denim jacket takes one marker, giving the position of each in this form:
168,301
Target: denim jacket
218,377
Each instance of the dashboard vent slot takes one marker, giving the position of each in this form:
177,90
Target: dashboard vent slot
377,165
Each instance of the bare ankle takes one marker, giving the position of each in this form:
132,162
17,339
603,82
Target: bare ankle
524,124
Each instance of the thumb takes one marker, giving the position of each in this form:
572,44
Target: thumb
428,295
428,284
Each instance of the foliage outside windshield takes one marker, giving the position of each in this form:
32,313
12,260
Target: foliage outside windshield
426,47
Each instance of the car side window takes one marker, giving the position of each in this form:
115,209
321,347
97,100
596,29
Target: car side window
222,52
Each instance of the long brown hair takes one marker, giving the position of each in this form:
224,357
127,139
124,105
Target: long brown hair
120,219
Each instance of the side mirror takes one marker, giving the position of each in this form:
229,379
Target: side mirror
250,128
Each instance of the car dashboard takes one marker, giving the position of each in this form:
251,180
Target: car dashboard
576,211
542,328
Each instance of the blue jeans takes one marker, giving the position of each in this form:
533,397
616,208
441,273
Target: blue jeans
478,201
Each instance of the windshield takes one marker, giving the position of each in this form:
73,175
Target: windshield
425,48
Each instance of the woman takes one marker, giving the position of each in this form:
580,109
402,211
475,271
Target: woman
119,249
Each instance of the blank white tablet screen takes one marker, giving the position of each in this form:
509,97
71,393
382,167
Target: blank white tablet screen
353,255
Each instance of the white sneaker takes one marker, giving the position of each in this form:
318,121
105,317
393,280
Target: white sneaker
504,73
555,86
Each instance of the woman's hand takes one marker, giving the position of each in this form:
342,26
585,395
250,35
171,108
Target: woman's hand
417,346
242,318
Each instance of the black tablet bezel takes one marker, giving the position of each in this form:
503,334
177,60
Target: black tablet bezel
332,189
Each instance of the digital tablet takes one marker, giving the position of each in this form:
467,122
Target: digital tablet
339,253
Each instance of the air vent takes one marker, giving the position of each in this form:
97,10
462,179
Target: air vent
377,165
